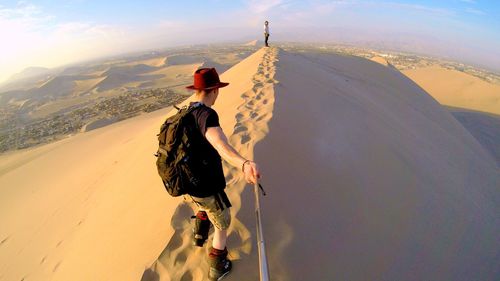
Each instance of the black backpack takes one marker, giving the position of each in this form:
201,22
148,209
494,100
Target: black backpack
178,156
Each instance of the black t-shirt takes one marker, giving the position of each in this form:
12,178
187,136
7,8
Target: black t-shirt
205,117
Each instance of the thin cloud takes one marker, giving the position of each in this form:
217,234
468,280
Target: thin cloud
170,24
469,1
25,15
262,6
85,29
421,8
36,38
22,9
331,6
316,10
328,7
475,11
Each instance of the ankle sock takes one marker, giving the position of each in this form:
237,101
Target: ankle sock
216,252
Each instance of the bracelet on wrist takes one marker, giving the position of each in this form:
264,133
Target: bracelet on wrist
243,165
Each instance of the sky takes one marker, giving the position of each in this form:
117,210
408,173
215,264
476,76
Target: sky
54,33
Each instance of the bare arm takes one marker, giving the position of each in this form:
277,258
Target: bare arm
218,140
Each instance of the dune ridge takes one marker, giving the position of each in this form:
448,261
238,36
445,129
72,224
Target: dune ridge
180,260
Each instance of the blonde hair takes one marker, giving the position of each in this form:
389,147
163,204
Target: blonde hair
206,92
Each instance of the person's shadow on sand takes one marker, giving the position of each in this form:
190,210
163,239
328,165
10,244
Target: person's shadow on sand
150,275
178,250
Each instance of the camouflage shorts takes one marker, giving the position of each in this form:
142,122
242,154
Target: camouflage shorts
220,218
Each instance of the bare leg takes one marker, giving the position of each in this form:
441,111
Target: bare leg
219,241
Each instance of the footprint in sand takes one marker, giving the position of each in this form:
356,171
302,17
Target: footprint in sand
231,179
245,138
181,258
260,118
43,260
240,129
56,266
150,275
5,240
257,87
187,276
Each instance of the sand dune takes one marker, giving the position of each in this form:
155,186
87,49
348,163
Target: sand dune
29,72
381,60
119,76
251,43
155,62
135,69
373,179
58,86
85,86
364,170
182,59
457,89
368,178
172,76
117,80
85,208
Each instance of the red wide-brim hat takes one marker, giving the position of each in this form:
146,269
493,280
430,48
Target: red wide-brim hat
206,79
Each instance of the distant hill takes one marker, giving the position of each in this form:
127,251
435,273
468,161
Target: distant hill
29,78
29,72
41,105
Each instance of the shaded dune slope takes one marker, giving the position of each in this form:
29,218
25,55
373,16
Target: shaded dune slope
483,126
378,182
368,177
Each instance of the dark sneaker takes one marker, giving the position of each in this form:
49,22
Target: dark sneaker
201,228
220,265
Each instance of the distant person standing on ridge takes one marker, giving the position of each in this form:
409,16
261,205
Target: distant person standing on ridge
266,32
213,203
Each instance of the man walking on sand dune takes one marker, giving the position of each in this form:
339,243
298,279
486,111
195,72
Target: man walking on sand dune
214,203
266,32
